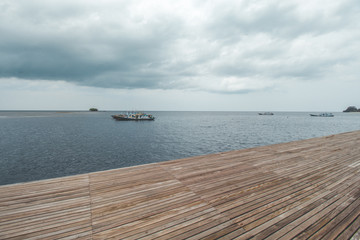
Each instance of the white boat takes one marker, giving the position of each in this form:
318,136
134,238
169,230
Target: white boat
322,115
133,116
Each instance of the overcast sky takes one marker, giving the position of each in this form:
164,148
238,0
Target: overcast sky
236,55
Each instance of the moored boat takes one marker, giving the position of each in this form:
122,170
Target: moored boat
133,116
322,115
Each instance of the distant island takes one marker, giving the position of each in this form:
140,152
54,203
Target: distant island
352,109
93,109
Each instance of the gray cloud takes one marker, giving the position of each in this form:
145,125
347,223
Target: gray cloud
233,47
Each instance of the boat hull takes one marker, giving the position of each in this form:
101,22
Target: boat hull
133,117
322,115
130,119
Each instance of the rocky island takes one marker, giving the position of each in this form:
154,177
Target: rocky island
352,109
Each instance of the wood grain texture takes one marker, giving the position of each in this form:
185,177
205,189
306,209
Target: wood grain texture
306,189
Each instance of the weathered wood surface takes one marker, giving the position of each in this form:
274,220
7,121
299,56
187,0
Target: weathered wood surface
300,190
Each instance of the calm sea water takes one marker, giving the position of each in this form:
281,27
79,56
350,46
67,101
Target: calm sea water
40,145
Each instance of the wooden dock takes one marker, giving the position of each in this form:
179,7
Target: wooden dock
299,190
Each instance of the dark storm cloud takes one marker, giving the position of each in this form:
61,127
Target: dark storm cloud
58,42
231,47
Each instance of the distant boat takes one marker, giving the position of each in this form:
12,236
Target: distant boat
266,113
322,115
133,116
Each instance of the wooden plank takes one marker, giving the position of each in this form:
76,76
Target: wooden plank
339,222
298,224
55,208
354,227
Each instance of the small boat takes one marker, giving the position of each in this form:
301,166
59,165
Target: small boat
322,115
133,116
266,113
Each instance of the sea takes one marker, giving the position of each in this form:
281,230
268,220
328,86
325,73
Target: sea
37,145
